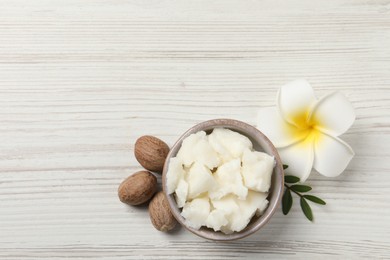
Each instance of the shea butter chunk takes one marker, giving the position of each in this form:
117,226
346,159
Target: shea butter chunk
216,219
239,219
219,147
174,174
199,180
228,204
233,142
181,193
229,180
196,148
257,169
196,212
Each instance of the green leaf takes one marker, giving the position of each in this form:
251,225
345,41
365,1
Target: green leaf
285,166
287,201
306,209
300,188
291,179
315,199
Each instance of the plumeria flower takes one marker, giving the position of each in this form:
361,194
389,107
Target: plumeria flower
305,130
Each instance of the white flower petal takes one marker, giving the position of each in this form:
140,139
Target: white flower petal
295,100
276,129
299,157
333,114
332,155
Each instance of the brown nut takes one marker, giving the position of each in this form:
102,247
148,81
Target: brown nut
151,153
160,214
137,188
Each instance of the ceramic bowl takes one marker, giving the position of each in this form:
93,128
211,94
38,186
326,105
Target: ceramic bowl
260,143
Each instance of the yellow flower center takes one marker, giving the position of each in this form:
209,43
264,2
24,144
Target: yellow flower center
306,129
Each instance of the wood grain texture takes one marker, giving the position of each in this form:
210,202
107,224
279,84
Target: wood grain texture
81,80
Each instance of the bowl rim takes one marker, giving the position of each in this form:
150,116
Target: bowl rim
252,133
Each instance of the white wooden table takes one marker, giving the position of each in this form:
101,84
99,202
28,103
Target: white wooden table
81,80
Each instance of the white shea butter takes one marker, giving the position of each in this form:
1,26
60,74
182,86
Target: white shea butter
200,179
217,219
196,148
229,180
219,181
174,174
181,193
196,212
257,170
